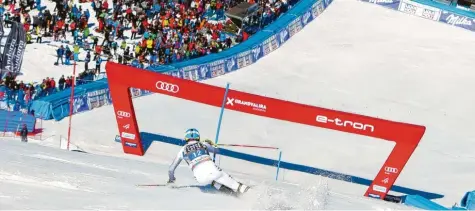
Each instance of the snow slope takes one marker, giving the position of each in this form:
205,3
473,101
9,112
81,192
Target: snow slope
355,57
38,177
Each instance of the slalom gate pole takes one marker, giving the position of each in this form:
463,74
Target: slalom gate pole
244,145
20,125
6,123
71,103
278,166
41,127
221,118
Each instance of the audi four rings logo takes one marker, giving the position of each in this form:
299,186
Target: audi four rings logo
123,114
173,88
388,169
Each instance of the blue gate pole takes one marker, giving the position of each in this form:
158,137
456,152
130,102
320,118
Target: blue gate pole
221,118
278,166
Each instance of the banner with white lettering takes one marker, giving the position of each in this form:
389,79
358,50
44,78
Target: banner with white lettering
97,98
20,49
9,50
2,33
190,72
214,69
80,104
423,11
457,20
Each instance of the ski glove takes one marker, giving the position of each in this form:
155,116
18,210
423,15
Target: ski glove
211,143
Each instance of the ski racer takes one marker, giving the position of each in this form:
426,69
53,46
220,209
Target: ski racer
196,155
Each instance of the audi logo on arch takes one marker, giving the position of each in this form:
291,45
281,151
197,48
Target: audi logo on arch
388,170
173,88
123,114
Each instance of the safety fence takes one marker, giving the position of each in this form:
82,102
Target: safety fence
12,122
432,11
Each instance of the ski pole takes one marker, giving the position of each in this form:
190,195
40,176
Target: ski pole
244,145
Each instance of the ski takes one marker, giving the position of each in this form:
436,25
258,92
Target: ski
168,185
151,185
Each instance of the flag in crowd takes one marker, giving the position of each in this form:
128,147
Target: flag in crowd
13,50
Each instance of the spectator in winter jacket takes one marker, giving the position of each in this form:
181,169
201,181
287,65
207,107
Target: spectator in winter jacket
60,54
98,65
68,55
61,83
38,34
87,60
16,107
51,86
24,133
76,52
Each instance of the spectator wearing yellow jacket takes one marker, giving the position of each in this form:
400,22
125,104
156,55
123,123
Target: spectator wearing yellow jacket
137,49
76,52
150,45
38,34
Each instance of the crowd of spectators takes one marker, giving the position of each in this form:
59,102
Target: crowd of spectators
131,32
21,94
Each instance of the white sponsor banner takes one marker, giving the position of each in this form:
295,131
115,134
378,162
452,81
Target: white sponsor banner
420,10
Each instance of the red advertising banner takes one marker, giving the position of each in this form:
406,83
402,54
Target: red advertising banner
121,78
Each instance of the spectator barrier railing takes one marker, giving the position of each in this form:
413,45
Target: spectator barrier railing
96,94
431,10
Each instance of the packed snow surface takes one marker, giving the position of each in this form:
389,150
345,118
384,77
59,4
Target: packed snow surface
355,57
43,178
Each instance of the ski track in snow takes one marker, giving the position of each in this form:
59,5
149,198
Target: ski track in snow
89,165
409,81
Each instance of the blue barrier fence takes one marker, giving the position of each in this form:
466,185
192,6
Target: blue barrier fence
431,10
149,138
467,202
257,46
422,203
12,121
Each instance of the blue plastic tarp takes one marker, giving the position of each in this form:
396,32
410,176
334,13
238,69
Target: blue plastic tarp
422,203
57,105
12,121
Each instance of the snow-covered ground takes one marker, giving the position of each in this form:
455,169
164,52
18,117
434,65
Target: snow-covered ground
355,57
43,178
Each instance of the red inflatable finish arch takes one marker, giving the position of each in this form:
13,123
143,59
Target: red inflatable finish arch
121,78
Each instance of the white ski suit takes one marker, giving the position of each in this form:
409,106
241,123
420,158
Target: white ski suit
196,155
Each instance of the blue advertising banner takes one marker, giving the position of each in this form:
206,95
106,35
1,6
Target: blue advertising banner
256,53
307,18
317,9
457,20
283,36
80,104
98,98
216,68
244,59
231,64
269,45
428,12
295,26
190,72
393,4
